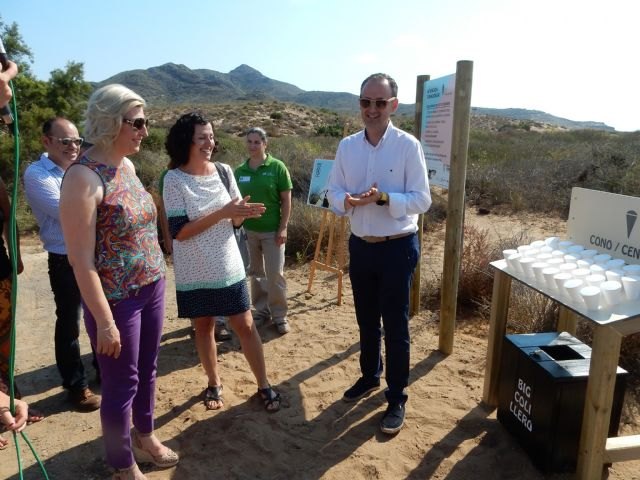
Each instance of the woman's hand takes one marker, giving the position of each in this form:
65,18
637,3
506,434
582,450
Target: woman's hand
241,209
19,421
109,340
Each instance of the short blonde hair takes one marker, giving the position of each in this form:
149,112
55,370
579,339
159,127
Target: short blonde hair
105,111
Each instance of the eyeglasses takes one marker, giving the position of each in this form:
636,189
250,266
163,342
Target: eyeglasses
66,141
380,104
137,123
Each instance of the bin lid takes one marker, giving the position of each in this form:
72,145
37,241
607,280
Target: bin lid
543,339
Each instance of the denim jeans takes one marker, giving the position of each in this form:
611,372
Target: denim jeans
380,276
67,346
268,285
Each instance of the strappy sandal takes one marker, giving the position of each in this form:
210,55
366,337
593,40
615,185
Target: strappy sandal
270,398
213,394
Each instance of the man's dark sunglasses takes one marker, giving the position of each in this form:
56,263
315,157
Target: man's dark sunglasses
66,141
380,104
137,123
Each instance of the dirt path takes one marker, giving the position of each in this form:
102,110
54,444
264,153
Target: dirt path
448,433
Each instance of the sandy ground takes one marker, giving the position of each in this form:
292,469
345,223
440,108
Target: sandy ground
449,433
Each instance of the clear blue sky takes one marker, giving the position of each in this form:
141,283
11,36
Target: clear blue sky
576,59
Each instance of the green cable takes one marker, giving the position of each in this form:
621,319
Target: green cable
13,255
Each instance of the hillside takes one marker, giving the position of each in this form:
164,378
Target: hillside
172,84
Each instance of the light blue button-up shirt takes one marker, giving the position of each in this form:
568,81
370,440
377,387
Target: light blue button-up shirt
42,183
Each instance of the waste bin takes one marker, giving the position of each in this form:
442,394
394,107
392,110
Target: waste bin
541,395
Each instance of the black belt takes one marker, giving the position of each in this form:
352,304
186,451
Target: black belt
371,239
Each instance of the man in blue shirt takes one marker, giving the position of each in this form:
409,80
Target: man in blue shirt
379,180
42,181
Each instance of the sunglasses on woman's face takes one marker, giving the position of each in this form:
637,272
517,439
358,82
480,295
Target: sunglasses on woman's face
137,123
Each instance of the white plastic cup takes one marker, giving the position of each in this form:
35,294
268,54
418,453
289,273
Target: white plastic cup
532,252
584,263
548,274
612,292
591,297
614,275
602,258
543,257
575,249
507,253
558,253
555,261
523,248
564,245
512,260
552,241
560,278
571,258
615,264
546,249
631,285
526,263
572,287
595,279
581,273
597,269
537,244
588,253
567,267
632,269
537,269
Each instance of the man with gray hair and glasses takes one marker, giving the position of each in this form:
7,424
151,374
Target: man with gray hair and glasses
42,181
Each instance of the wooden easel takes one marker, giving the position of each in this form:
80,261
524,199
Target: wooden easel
337,229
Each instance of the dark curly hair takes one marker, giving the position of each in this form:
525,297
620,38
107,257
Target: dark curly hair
180,138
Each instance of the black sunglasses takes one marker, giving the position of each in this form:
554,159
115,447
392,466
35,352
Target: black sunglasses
137,123
66,141
380,104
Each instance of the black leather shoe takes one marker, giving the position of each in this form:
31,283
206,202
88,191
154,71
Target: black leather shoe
360,389
393,419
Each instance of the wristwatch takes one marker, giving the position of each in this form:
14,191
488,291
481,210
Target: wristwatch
384,198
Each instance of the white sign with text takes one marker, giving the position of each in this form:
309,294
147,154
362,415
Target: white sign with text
437,127
606,222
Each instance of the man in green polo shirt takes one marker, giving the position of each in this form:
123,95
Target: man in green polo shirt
267,180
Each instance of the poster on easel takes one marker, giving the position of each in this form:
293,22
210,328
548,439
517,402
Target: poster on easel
318,187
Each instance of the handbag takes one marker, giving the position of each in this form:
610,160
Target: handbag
239,232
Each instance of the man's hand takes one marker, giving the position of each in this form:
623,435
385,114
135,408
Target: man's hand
371,195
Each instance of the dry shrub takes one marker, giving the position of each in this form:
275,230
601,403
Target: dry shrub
530,311
476,279
303,231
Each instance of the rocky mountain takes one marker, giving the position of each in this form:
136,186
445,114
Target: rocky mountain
172,84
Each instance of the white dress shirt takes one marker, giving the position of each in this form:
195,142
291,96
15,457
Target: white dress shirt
398,167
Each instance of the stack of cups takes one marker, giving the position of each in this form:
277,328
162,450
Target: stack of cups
581,275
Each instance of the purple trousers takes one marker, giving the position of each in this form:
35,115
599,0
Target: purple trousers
129,382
